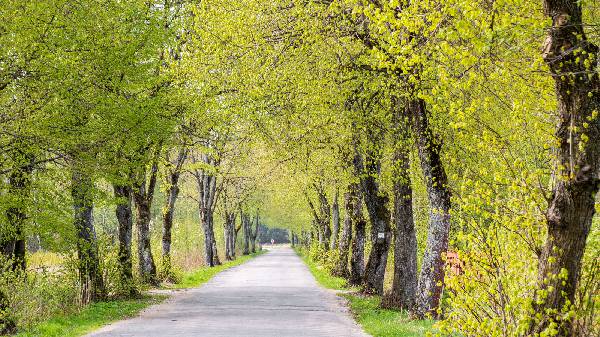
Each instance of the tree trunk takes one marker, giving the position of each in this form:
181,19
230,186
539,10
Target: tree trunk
229,234
215,253
246,232
376,202
322,216
168,212
143,197
350,203
404,286
357,260
432,270
147,268
254,234
207,188
12,236
90,277
572,60
335,210
125,223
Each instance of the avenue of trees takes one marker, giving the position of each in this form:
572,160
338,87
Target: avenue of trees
384,136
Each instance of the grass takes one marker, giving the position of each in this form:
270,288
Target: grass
321,275
96,315
91,317
202,275
367,311
385,322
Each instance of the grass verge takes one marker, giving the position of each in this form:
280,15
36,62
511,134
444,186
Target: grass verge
96,315
91,317
367,310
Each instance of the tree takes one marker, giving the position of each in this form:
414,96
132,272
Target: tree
173,174
572,60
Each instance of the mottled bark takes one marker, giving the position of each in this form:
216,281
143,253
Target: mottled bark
246,233
376,202
143,194
357,260
174,171
350,203
572,60
207,191
90,276
321,215
229,234
254,234
335,217
404,286
125,222
431,278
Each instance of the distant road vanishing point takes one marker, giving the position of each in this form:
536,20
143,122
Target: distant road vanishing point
273,295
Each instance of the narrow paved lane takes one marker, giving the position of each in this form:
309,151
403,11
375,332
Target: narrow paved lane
271,295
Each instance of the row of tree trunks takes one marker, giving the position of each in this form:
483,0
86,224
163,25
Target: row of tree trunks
90,276
572,60
143,194
124,194
173,173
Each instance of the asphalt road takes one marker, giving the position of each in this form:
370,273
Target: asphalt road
272,295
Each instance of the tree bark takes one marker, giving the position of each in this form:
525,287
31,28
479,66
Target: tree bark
207,190
229,234
376,202
335,214
431,277
246,232
572,60
357,260
143,194
254,234
90,276
322,216
12,236
404,286
125,222
169,210
350,202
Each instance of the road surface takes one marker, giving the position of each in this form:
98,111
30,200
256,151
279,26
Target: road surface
272,295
